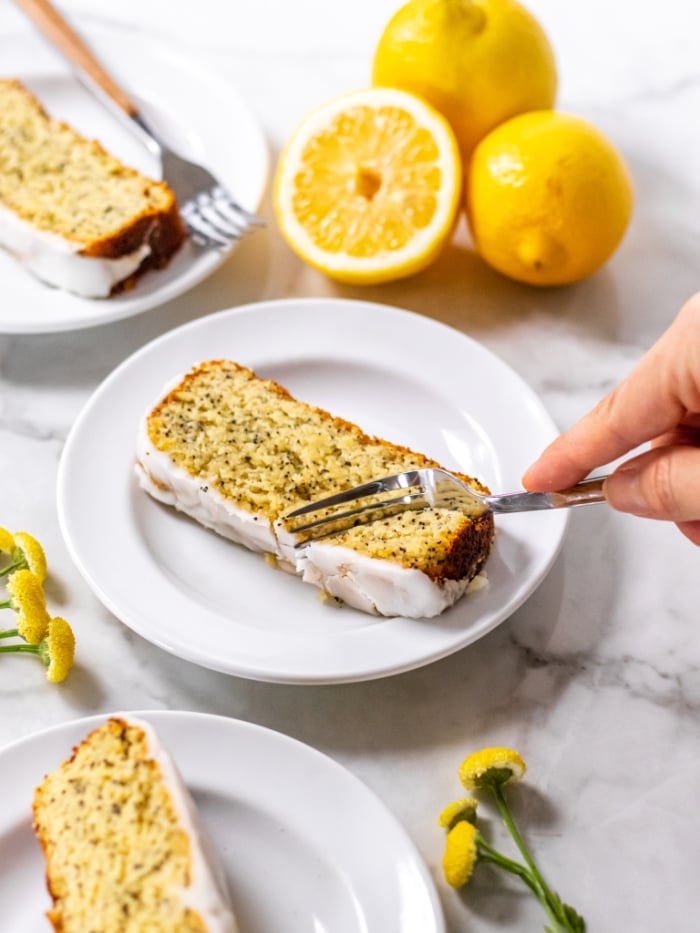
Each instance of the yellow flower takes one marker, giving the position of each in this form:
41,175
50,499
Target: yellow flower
7,541
33,552
460,854
491,766
464,809
27,597
57,650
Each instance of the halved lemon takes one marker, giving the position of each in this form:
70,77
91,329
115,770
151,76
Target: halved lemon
368,187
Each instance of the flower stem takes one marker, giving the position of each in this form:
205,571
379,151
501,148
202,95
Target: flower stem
488,854
10,567
30,649
542,890
9,633
6,605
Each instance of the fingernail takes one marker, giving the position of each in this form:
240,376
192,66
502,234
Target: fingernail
624,491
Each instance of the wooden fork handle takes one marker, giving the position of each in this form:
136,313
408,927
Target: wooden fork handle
66,40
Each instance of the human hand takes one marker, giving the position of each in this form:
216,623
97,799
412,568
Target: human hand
658,402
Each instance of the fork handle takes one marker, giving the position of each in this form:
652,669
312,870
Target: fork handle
66,40
584,493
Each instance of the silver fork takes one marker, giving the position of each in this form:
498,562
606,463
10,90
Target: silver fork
422,489
212,216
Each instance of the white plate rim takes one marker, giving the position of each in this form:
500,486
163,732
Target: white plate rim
199,265
281,744
277,674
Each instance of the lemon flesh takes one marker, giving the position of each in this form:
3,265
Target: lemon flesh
368,188
479,62
548,198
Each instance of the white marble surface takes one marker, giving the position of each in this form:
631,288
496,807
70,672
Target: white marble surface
596,679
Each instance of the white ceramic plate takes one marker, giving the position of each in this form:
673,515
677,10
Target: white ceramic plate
197,112
398,375
305,845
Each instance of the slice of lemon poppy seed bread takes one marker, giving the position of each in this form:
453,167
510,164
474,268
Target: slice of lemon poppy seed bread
125,850
237,453
73,214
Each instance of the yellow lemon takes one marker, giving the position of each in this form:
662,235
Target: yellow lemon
548,198
479,62
368,187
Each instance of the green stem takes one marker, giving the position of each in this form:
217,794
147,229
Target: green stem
6,605
30,649
514,869
10,567
543,891
9,633
488,854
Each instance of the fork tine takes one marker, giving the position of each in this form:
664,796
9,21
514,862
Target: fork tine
231,217
206,236
375,486
200,226
200,239
225,200
343,520
220,221
231,214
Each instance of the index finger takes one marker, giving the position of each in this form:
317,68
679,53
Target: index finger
655,397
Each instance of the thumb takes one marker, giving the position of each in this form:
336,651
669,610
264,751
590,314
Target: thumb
662,483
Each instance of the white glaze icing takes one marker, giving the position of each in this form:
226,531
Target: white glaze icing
376,586
58,261
207,893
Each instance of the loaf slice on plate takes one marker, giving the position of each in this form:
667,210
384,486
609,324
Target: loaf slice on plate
237,453
123,844
73,214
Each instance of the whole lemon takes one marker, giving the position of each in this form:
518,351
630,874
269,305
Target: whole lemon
479,62
548,198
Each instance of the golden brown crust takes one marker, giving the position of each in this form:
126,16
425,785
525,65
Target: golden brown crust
468,553
162,230
165,239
